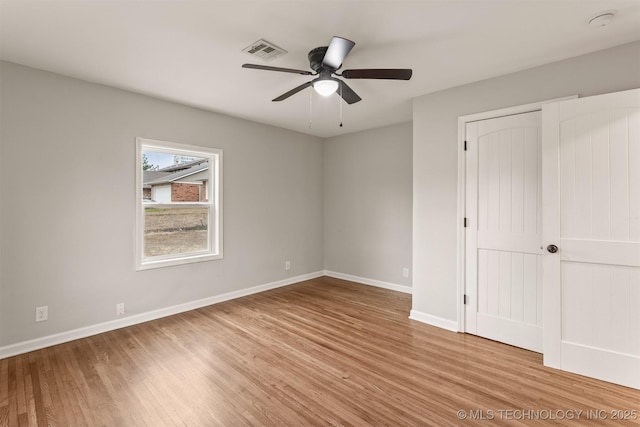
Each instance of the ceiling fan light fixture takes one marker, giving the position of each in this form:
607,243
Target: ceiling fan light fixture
325,87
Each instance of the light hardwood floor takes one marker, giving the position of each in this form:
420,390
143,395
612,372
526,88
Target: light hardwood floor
321,352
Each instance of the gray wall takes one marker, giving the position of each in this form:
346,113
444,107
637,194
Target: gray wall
67,198
68,204
435,153
367,203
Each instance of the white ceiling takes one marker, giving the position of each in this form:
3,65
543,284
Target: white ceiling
191,51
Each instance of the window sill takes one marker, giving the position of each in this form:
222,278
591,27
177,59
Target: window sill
148,265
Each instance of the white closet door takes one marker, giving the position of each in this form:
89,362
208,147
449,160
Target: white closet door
503,282
591,187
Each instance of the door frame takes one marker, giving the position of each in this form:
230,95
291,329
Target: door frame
462,190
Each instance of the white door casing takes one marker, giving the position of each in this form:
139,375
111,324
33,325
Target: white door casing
504,230
591,212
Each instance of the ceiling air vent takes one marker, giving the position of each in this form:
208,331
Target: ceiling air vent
264,50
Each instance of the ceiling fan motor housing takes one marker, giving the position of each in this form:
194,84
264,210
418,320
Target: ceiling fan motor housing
315,58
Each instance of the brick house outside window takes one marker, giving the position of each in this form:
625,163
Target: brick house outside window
185,182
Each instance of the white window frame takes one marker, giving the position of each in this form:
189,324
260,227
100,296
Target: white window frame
214,189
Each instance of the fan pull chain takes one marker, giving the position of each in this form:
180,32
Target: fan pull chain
310,110
340,101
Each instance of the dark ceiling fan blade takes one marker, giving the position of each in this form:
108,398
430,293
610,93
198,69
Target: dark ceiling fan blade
379,73
293,91
337,51
284,70
347,93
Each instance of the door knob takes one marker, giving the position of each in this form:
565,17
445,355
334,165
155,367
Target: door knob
552,249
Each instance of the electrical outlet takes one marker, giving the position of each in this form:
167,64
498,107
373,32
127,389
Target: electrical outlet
119,309
42,313
287,265
405,272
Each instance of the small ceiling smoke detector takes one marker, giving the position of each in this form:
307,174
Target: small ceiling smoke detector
602,19
264,50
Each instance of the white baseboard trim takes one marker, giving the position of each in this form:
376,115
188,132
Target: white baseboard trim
370,282
429,319
87,331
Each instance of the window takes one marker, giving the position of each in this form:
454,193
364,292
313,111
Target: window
178,204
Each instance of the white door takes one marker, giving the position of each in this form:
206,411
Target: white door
503,281
591,187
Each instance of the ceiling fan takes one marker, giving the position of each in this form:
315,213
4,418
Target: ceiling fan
325,61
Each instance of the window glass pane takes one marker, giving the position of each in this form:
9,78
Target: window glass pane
174,178
175,230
